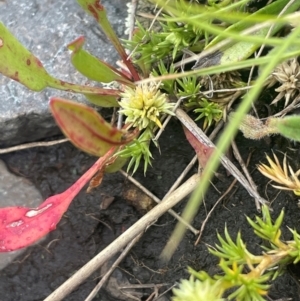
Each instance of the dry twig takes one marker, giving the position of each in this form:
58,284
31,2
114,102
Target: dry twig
31,145
109,272
244,168
216,204
157,200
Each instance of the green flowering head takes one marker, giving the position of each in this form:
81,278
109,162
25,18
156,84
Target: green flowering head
144,105
196,290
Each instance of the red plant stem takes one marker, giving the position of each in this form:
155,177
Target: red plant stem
73,191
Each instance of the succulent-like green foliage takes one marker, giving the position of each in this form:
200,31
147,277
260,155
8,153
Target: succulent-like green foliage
150,45
246,275
232,252
209,111
189,88
167,85
137,150
267,229
196,290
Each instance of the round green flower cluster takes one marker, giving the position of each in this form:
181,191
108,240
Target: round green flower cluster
144,104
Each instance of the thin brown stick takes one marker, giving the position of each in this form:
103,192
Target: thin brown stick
245,170
31,145
227,90
292,106
217,203
112,268
141,225
157,200
212,209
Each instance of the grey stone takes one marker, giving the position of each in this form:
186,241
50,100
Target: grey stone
46,27
15,191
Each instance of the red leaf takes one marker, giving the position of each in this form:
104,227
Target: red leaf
22,226
202,150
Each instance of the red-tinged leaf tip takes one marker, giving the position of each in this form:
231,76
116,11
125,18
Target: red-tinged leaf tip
203,151
22,226
77,44
95,7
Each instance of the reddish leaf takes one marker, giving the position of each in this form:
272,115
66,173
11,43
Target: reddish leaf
86,128
203,151
22,226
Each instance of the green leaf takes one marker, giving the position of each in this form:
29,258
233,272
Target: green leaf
86,128
288,127
19,64
116,166
106,101
92,67
97,10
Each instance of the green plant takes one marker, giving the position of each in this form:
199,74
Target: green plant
210,111
189,87
243,276
150,46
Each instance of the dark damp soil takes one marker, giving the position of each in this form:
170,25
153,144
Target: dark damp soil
86,229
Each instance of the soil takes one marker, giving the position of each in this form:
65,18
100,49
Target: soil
86,229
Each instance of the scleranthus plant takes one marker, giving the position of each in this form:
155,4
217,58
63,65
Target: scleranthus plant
244,276
144,104
209,111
